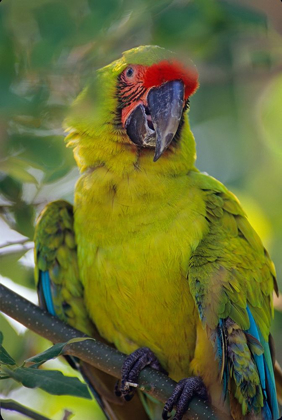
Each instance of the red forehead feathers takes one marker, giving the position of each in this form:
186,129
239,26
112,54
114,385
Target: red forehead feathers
165,71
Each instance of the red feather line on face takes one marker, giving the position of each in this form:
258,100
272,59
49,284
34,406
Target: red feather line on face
133,90
165,71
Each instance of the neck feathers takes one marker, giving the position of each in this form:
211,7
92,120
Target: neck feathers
122,158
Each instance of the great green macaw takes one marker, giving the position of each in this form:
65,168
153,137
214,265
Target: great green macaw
155,253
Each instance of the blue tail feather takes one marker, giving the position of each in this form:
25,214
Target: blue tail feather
266,374
221,350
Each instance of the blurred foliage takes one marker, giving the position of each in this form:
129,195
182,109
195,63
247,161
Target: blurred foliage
48,52
51,381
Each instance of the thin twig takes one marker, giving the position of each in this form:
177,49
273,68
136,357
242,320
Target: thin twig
12,249
14,406
18,242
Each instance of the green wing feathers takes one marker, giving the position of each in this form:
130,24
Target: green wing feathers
232,280
55,254
230,268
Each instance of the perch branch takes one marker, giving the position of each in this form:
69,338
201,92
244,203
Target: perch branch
92,351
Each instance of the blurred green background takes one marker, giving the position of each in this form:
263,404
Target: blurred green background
49,49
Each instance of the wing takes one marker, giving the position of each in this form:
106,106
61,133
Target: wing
56,271
232,280
61,293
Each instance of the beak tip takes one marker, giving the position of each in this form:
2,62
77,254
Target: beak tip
156,158
162,145
158,151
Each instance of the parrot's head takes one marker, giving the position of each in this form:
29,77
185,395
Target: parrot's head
152,100
136,103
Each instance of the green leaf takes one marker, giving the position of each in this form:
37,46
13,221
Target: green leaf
56,175
51,381
14,343
4,355
11,268
52,352
48,354
17,169
24,216
47,153
11,188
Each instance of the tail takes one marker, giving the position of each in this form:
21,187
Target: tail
278,381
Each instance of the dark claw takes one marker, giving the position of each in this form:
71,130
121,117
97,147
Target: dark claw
117,391
184,391
131,369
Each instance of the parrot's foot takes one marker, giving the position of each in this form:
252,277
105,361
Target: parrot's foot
184,391
131,369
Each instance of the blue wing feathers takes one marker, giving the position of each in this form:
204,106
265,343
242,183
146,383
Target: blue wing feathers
253,331
270,410
270,380
260,350
266,373
45,281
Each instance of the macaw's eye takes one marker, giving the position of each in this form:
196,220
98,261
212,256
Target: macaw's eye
129,72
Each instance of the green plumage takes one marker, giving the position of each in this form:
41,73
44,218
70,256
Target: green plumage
230,268
56,254
159,254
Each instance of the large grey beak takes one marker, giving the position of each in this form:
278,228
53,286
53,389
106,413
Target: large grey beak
166,106
157,125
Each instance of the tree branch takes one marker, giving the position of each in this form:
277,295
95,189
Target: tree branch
14,406
93,351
